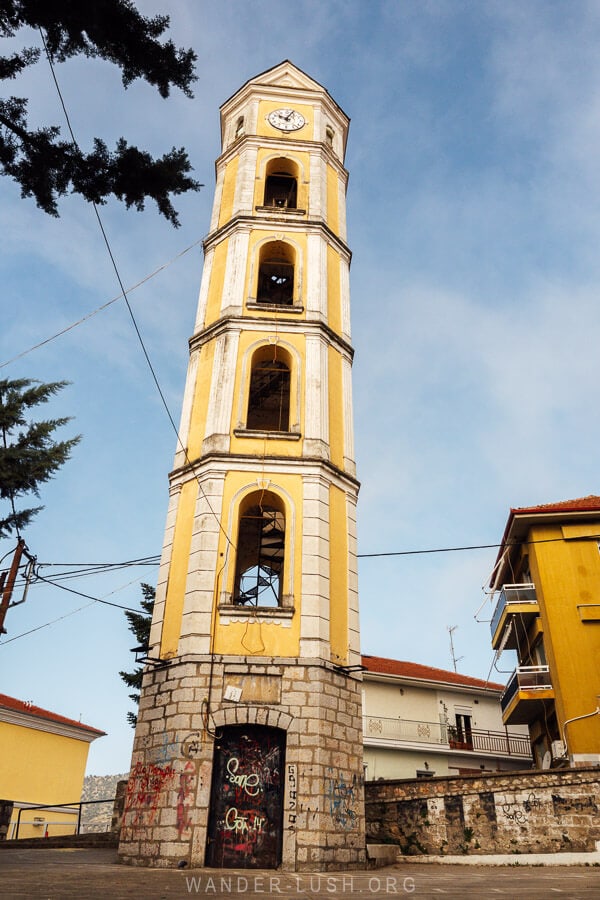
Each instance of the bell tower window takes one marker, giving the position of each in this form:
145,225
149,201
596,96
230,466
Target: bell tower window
280,191
281,184
269,394
276,275
260,552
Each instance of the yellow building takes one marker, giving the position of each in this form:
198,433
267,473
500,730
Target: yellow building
250,721
43,760
548,611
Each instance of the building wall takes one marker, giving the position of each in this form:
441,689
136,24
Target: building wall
566,573
39,767
405,729
529,812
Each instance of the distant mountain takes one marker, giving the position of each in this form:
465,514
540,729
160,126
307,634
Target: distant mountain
97,816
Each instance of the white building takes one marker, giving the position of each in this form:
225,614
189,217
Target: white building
419,721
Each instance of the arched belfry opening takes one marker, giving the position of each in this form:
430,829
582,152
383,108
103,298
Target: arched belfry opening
260,551
281,184
269,390
276,274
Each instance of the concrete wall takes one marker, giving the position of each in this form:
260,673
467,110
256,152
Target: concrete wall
529,812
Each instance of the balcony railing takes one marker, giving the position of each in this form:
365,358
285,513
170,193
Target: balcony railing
512,594
411,731
526,678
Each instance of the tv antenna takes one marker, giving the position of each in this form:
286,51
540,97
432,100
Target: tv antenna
455,659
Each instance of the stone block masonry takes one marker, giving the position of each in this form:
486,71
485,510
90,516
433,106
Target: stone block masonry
551,811
166,813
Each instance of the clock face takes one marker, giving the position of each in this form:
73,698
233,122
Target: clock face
286,119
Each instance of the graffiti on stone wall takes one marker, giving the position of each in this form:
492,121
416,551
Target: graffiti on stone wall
191,745
165,752
292,795
343,797
185,798
146,783
518,811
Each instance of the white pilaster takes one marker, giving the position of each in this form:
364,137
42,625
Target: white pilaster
345,298
349,463
203,563
218,420
316,413
232,299
314,624
214,220
243,199
203,296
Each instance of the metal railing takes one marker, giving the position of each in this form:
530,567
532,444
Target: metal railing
67,807
441,734
526,678
512,593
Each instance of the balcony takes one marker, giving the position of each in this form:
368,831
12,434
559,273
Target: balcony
514,599
398,733
520,702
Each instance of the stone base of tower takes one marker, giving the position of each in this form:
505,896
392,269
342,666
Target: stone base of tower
291,795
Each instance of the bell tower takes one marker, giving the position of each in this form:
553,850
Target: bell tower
248,749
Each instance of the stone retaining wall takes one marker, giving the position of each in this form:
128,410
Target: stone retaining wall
524,812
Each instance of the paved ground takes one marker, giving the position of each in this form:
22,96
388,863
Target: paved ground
87,874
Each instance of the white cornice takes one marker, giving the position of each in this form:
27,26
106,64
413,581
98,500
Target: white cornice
39,723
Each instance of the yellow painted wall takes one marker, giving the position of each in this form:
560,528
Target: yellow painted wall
178,569
40,767
261,638
227,196
567,573
338,575
217,279
199,411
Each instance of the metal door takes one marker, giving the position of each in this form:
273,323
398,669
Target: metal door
246,805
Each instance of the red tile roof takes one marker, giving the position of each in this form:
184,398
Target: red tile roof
382,666
28,708
590,503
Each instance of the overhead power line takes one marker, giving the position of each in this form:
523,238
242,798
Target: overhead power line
593,537
100,309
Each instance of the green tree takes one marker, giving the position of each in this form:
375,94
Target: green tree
47,167
29,455
139,625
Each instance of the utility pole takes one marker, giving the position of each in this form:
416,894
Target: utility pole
7,585
455,659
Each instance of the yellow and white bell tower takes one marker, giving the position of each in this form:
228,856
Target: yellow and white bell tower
249,725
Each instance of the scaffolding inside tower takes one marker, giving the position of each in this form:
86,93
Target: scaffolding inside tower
260,553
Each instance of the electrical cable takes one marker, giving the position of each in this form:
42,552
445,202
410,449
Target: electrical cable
74,611
62,587
95,312
475,547
46,624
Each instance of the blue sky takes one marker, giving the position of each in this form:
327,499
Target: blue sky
473,219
